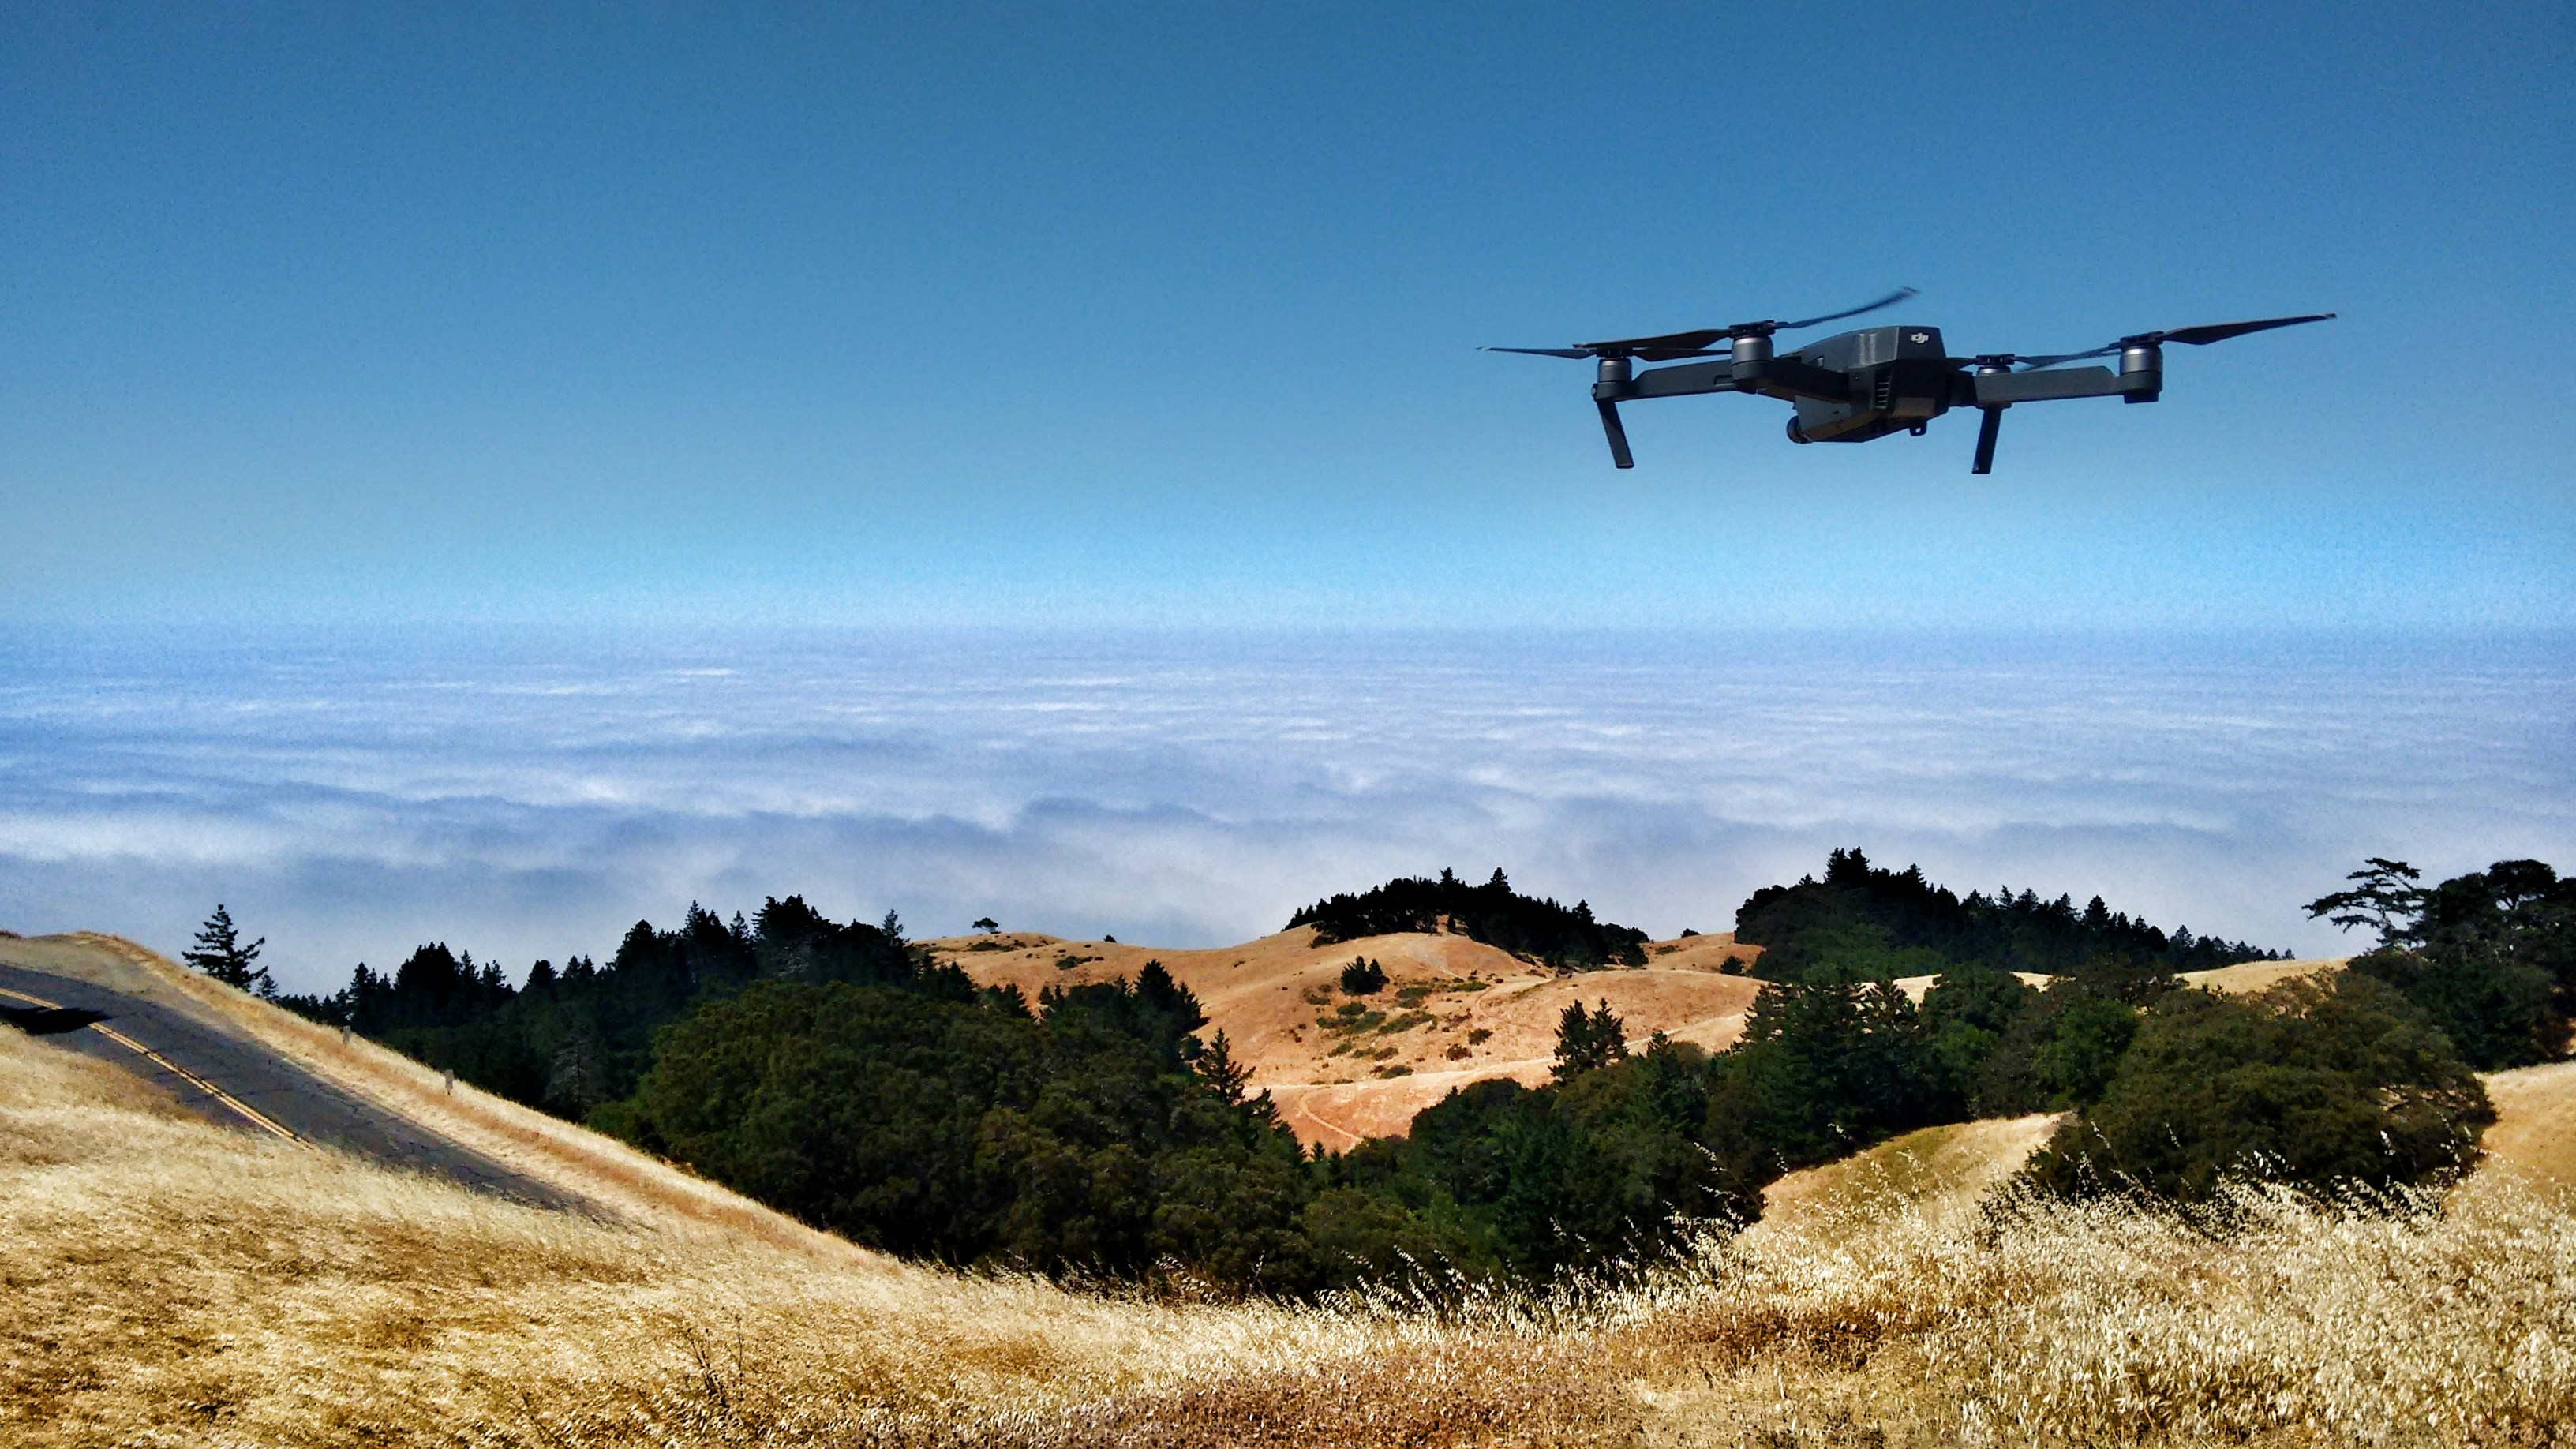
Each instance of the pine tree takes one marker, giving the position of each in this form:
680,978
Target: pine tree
1218,1068
1587,1041
221,954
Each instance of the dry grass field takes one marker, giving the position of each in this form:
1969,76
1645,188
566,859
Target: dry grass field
167,1282
1454,1011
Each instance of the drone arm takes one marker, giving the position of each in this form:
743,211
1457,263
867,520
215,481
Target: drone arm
1997,389
1667,382
1786,377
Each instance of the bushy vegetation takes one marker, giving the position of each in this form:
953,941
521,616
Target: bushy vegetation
841,1074
1538,931
2490,956
569,1040
937,1120
2344,1081
1860,923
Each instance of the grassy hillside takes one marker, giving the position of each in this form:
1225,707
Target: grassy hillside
1453,1011
171,1281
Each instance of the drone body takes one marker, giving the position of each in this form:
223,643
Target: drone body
1856,386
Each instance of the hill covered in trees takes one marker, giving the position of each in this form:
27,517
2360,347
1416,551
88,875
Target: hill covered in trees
1539,931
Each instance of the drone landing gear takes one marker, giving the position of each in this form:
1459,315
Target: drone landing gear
1618,434
1986,431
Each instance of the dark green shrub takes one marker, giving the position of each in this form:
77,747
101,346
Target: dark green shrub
2313,1083
2490,956
1363,977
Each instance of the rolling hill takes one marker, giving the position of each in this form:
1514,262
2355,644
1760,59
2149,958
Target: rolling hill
1453,1011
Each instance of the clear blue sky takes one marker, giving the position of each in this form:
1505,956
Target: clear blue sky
1167,315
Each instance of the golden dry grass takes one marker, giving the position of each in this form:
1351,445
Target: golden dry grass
602,1171
1497,1014
164,1281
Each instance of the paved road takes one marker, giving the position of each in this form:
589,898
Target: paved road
231,1080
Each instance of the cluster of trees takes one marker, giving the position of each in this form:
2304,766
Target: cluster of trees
1567,939
1860,923
2313,1082
2489,956
570,1040
843,1075
1093,1133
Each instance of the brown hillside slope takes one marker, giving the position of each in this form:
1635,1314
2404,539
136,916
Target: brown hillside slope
2535,1128
1454,1011
596,1169
164,1281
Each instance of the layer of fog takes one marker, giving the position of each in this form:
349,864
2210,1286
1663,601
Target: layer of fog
534,795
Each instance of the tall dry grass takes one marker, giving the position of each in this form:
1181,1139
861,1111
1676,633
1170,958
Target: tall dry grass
162,1281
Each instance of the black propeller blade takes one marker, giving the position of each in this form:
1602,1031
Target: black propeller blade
2200,336
1890,300
1669,346
1644,349
2221,331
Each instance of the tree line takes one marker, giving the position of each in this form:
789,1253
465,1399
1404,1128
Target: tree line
1538,931
1861,922
840,1073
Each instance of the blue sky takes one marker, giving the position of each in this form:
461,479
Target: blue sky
1128,315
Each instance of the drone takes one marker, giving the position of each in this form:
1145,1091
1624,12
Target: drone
1855,386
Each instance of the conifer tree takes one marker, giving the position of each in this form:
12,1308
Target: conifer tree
221,954
1218,1068
1587,1041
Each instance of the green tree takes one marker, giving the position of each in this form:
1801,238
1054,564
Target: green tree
1587,1041
2384,897
2076,1064
2315,1083
221,954
2490,955
1363,977
1224,1075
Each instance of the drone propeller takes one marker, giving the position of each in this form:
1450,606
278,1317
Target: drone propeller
1644,349
2200,336
1671,346
1765,329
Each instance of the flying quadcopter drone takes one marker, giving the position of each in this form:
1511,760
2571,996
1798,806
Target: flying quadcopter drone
1855,386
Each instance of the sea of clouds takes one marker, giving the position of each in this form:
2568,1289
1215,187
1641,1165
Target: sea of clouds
533,793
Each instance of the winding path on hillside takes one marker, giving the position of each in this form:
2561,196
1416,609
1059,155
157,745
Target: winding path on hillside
230,1079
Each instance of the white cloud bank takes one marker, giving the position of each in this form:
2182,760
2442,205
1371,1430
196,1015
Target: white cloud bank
531,795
